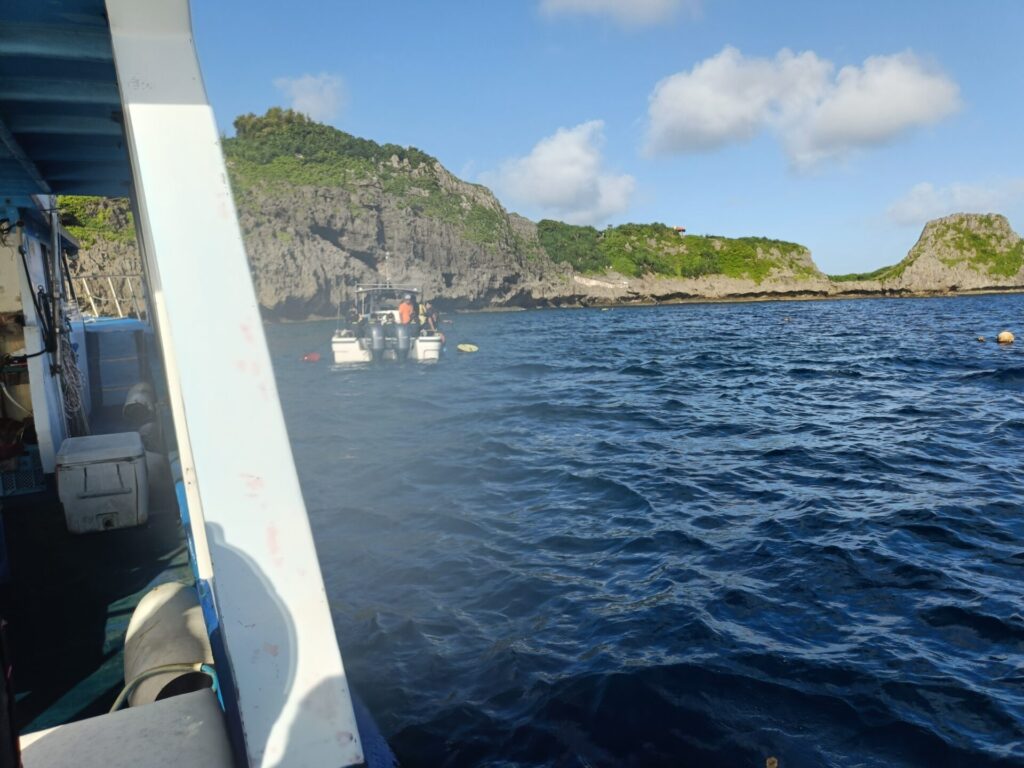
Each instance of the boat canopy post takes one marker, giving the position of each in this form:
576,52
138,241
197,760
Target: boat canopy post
252,534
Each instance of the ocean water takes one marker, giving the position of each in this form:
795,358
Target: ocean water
699,535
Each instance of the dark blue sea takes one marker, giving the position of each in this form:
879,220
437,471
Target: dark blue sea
698,535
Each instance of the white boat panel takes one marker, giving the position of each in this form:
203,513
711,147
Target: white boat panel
253,538
185,730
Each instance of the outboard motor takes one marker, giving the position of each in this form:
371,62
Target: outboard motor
377,341
403,340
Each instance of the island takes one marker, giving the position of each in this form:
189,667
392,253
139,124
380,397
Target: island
323,211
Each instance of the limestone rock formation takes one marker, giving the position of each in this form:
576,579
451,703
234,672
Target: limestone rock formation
959,253
310,246
323,211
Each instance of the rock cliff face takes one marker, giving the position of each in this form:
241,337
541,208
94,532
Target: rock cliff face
322,211
959,253
310,247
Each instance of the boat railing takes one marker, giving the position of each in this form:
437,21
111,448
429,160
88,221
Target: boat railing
368,287
111,295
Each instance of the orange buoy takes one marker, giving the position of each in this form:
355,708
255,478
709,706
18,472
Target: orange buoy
311,357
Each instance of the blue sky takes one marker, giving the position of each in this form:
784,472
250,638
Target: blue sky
840,126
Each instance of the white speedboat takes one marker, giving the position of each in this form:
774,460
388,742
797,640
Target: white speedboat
374,331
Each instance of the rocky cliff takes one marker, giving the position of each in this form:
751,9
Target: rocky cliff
322,211
310,246
959,253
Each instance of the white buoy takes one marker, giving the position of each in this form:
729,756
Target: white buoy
1005,337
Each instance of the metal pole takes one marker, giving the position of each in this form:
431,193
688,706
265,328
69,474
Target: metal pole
131,292
88,294
113,294
55,281
56,290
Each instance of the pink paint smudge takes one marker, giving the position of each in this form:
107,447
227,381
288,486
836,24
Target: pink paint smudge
247,333
274,545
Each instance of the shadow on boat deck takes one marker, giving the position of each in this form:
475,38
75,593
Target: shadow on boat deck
69,601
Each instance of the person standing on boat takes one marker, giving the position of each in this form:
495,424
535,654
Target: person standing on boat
406,310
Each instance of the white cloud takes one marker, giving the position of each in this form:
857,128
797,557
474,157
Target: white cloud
564,176
634,12
730,98
874,104
925,201
321,97
815,113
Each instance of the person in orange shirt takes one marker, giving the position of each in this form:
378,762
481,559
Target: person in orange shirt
405,309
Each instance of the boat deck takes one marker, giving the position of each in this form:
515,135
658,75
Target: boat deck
69,601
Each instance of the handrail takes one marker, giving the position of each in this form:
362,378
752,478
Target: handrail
366,287
121,294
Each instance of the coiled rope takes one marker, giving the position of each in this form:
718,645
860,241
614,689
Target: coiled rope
73,379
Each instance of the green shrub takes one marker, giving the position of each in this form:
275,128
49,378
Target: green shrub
638,249
92,219
982,253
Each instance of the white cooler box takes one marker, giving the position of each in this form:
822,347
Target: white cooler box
102,482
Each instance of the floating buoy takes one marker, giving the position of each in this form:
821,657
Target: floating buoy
981,338
311,357
1005,337
467,347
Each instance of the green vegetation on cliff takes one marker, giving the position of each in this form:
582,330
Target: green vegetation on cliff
92,220
273,154
890,272
284,145
984,246
285,148
639,249
571,244
983,242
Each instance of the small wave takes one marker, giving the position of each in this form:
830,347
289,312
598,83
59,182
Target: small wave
939,534
806,373
642,370
1010,425
530,369
990,628
1001,377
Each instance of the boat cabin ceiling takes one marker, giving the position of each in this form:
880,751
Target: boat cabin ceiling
61,127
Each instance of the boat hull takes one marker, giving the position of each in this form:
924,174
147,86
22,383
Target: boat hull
349,349
426,349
